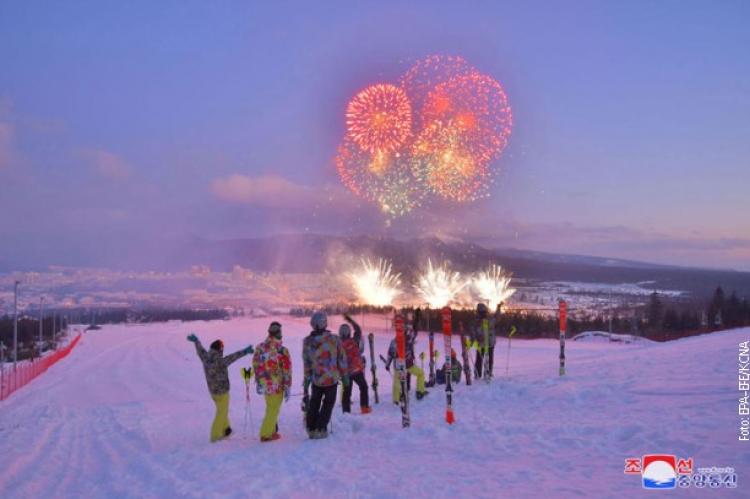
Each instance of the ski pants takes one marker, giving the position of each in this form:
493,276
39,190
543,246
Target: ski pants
273,406
346,400
478,373
321,405
221,419
416,371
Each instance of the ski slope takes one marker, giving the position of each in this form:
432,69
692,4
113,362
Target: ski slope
127,414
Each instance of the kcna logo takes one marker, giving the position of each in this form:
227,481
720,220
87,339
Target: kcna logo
659,471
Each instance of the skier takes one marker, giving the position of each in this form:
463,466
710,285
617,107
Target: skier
354,348
411,367
217,378
484,357
455,369
325,364
273,377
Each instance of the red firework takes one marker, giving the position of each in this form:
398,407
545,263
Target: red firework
429,72
378,119
476,107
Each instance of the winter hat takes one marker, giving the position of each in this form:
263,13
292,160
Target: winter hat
481,309
345,331
319,321
274,329
217,345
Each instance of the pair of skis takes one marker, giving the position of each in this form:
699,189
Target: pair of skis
371,340
401,367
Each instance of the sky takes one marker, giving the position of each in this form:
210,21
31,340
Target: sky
124,124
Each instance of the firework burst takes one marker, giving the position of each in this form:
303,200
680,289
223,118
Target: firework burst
437,135
384,178
439,285
375,284
476,106
443,161
378,119
424,75
492,286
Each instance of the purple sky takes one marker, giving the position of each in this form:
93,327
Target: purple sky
137,121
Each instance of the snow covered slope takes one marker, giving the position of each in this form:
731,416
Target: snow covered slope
127,414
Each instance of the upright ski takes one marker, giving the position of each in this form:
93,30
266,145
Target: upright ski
401,366
371,340
431,379
465,354
486,353
446,312
563,326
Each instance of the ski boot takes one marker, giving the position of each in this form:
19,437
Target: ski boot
421,395
366,410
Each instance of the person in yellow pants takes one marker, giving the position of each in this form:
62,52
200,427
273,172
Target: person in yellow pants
215,366
411,368
221,419
273,377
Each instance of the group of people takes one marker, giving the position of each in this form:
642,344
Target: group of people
328,360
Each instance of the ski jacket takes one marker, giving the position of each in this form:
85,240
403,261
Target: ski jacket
324,358
358,340
478,333
273,367
215,367
456,369
353,356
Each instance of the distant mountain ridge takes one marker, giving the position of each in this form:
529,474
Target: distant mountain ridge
316,252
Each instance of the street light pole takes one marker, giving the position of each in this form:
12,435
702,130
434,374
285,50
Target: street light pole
41,322
15,323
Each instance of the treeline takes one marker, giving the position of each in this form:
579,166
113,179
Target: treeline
662,319
28,336
125,315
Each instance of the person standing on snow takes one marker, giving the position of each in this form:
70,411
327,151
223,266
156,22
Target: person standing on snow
354,348
485,357
411,367
273,377
325,364
217,378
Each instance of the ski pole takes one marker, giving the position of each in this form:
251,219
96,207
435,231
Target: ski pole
507,359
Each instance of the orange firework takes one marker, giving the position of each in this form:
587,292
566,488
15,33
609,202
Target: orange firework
378,119
443,160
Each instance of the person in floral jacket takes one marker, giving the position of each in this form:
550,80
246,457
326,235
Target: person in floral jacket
273,377
325,364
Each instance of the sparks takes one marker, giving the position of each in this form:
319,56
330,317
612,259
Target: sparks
376,284
439,285
492,286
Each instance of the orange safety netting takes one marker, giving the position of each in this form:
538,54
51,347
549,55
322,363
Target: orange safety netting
13,379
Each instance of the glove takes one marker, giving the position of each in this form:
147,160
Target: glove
286,394
259,389
345,380
192,337
248,350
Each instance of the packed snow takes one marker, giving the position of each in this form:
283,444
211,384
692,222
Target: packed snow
127,414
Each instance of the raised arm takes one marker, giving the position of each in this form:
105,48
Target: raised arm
236,355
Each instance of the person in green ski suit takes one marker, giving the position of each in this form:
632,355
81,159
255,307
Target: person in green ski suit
215,366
